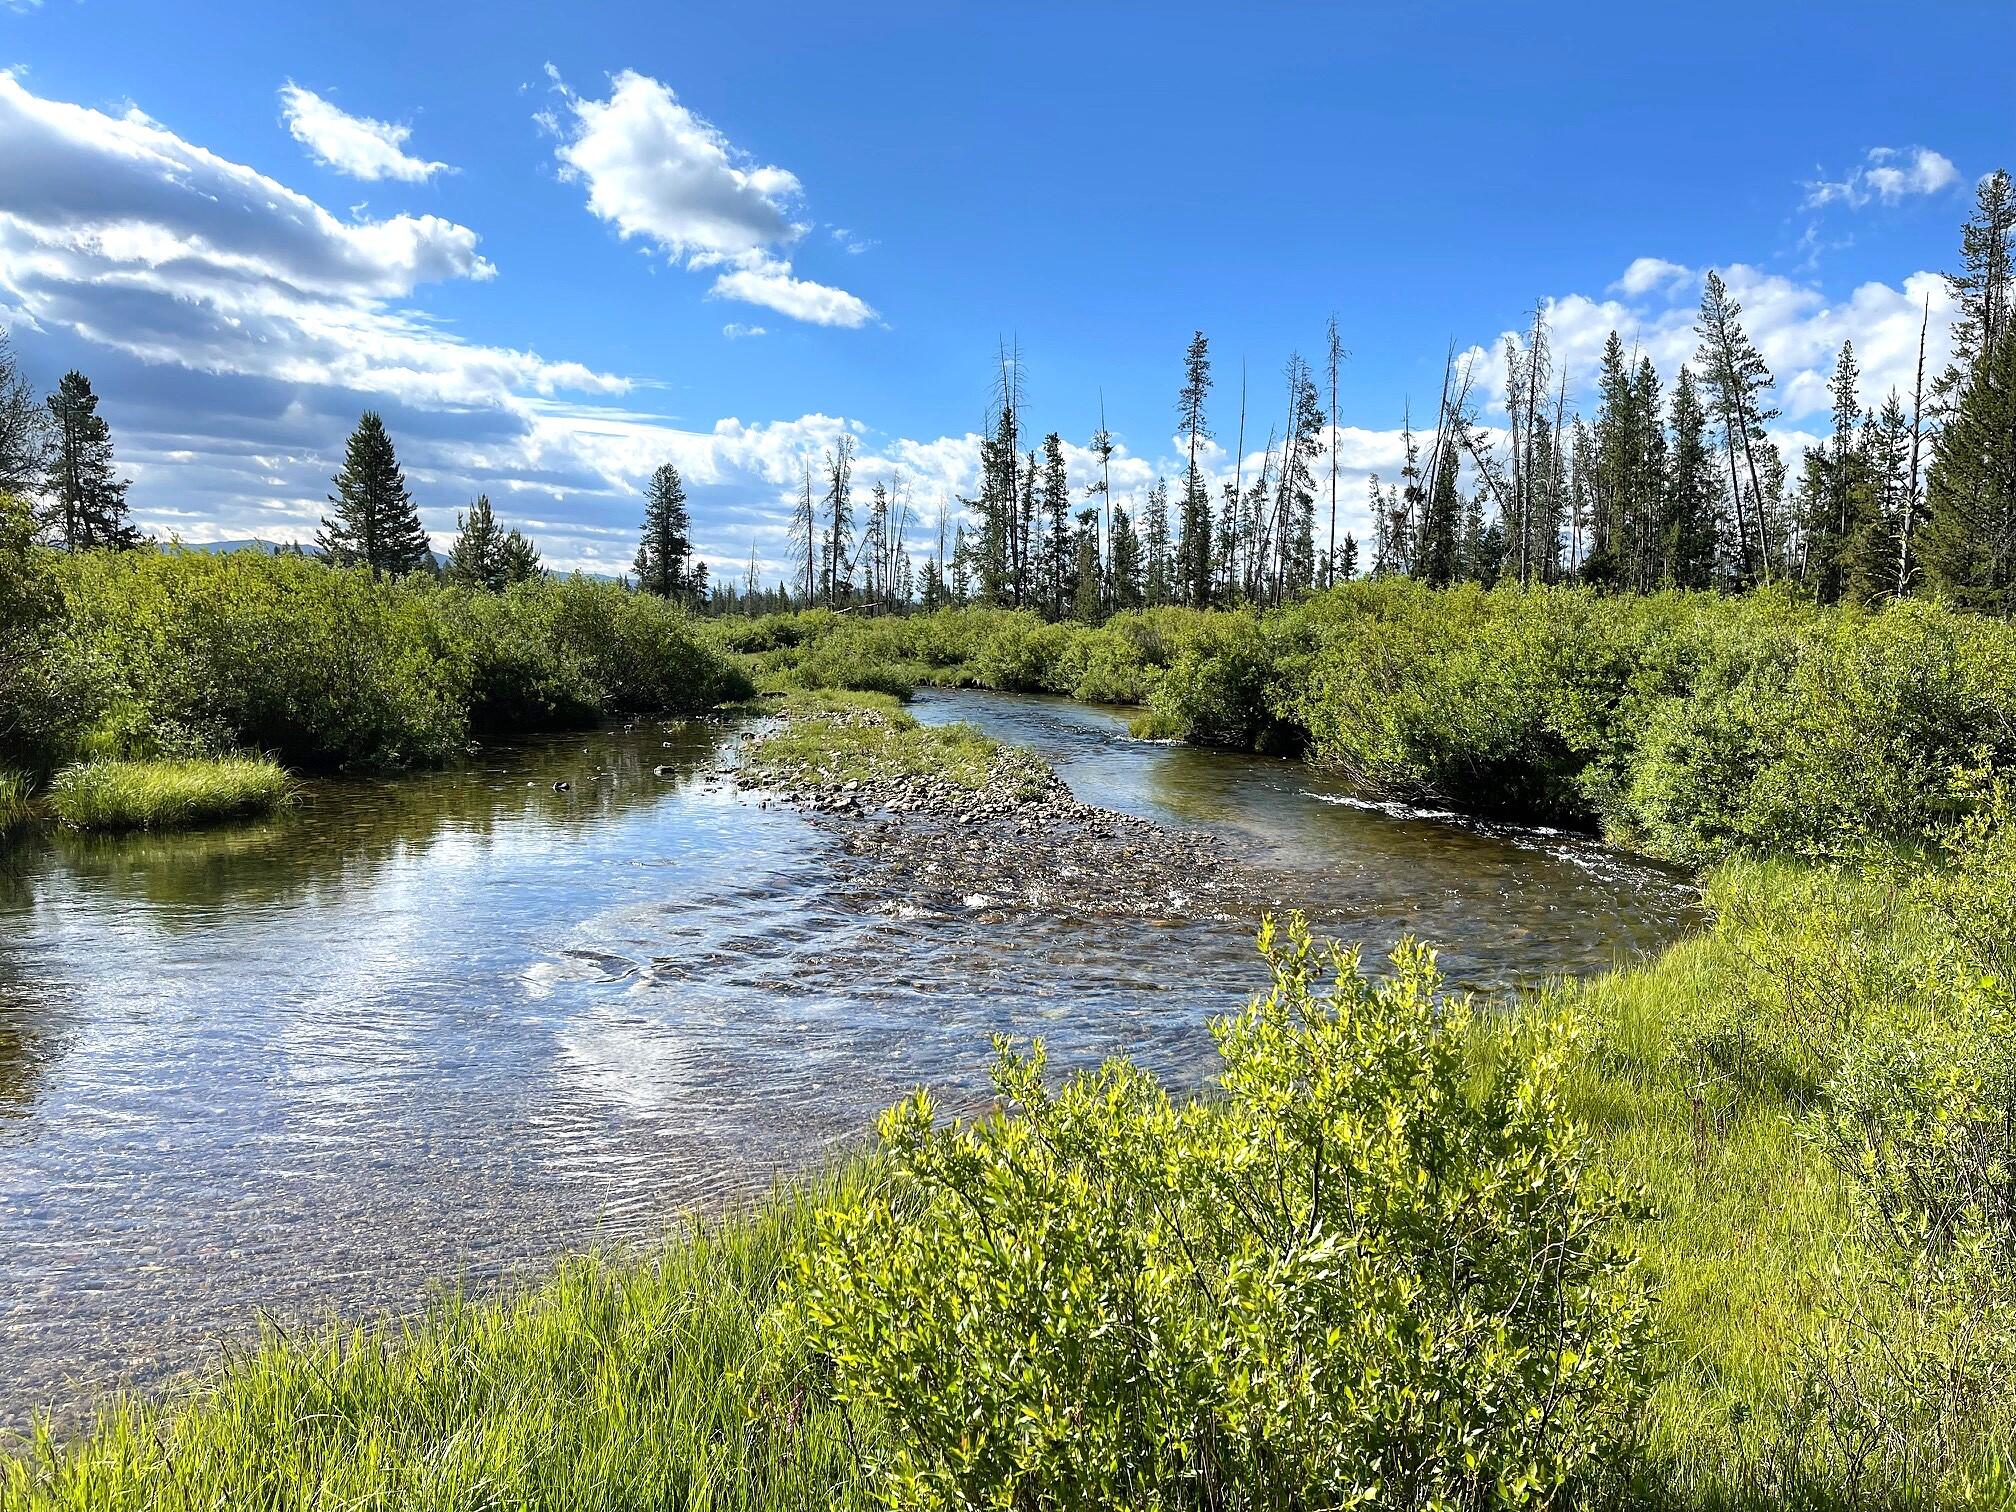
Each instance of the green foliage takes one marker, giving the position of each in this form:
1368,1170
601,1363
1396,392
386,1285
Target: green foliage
1354,1277
146,654
123,795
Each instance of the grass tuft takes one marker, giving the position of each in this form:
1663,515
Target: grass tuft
831,738
118,795
17,804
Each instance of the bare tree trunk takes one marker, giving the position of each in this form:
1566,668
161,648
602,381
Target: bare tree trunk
1917,429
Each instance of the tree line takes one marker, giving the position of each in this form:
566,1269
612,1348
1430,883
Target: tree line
1661,487
57,452
1681,486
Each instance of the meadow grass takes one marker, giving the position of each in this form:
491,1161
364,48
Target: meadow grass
831,738
124,795
622,1381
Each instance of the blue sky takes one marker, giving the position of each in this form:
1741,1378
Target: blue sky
543,239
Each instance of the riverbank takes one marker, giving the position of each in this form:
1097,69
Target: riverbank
1811,1338
1685,726
681,1373
162,655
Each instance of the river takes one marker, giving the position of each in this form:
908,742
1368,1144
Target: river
446,1026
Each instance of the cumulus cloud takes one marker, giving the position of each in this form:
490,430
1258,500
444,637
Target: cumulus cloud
1647,274
735,330
656,171
770,283
1888,174
353,145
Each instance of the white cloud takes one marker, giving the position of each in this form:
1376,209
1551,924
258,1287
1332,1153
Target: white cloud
655,170
1888,174
1649,273
735,330
770,283
353,145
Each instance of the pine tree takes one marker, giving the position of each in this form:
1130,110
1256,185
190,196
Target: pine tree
1126,567
1087,602
1344,565
1967,544
1439,559
1061,564
87,501
665,553
1833,487
1693,492
840,522
375,524
805,541
1983,289
1160,583
24,429
1193,539
477,558
1737,379
518,559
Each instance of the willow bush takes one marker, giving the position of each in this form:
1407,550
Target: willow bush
1355,1277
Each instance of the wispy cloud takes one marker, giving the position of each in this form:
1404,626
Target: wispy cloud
1888,174
354,145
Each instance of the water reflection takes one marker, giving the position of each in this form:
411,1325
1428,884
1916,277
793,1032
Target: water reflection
452,1024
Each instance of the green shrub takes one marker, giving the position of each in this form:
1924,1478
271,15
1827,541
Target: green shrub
1352,1278
174,654
116,795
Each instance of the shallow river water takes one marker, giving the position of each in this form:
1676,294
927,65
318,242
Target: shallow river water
444,1027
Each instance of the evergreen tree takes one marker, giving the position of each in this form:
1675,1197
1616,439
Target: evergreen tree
1193,548
1086,600
665,554
1061,562
375,524
87,500
1160,583
24,429
1967,545
1983,289
1880,506
1126,569
1344,564
1439,560
518,559
1294,529
1833,488
1737,380
805,541
840,522
1693,492
477,558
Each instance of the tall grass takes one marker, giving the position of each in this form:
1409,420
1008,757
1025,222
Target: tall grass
621,1382
122,795
17,794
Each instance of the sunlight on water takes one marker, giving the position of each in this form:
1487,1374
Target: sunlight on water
447,1026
